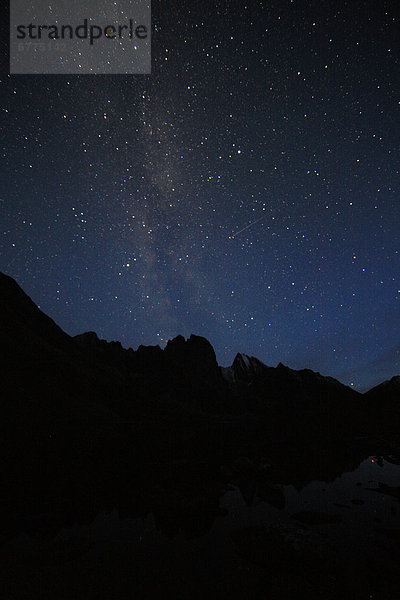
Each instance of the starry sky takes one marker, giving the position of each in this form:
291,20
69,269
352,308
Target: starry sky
247,190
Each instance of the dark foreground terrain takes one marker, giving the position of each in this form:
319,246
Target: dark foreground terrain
156,474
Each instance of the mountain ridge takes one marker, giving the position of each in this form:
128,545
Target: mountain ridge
244,371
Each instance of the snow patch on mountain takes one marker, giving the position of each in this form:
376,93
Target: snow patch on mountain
244,369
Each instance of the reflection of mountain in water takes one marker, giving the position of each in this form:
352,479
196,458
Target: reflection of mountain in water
88,427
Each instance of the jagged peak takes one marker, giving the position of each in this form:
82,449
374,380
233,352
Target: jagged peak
282,366
91,337
177,340
192,339
198,339
87,335
191,342
143,348
244,369
247,359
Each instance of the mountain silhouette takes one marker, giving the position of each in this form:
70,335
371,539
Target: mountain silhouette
48,372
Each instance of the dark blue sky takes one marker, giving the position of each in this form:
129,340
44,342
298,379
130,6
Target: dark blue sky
247,190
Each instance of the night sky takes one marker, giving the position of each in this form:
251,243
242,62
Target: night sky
247,190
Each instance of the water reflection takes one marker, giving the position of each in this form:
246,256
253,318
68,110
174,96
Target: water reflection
248,518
